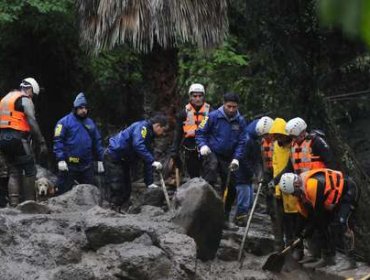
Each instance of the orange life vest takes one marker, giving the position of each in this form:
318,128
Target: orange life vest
302,158
334,183
194,118
9,117
267,148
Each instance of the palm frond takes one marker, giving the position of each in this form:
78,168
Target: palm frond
107,23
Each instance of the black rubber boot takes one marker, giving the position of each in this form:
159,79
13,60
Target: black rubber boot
14,187
28,188
324,261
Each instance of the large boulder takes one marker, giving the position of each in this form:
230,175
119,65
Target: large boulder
201,215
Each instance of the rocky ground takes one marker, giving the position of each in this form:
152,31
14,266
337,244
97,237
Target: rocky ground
72,237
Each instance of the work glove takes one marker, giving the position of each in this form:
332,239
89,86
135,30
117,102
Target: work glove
100,167
62,166
205,150
153,186
271,184
157,165
234,165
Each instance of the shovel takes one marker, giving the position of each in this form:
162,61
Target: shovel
227,186
165,191
248,225
275,261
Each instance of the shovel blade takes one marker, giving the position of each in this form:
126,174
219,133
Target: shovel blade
274,262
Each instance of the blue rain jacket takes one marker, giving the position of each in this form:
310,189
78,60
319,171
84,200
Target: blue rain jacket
77,141
133,142
222,135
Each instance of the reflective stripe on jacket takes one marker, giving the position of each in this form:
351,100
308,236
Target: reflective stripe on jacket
267,148
334,183
194,118
9,117
303,159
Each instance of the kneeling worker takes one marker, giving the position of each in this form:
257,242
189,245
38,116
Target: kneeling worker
323,194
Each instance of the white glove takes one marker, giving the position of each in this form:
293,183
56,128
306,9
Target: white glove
62,166
100,167
205,150
153,186
157,165
271,184
234,165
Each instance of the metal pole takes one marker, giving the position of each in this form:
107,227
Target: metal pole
248,225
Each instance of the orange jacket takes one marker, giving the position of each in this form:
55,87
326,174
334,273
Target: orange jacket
9,117
267,148
194,118
329,196
302,158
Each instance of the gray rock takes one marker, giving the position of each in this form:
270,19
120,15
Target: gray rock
32,207
138,261
80,198
154,197
201,215
100,232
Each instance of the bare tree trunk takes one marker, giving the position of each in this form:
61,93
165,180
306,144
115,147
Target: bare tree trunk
160,70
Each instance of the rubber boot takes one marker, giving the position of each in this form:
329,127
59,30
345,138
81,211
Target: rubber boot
14,187
3,192
241,220
28,188
227,225
351,262
324,261
308,259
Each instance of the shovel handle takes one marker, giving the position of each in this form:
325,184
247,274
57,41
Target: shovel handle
291,246
248,224
177,174
165,190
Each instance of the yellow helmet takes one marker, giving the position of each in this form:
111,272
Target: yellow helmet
278,127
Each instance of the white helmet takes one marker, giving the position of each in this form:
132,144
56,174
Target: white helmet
31,82
295,126
196,88
264,125
286,183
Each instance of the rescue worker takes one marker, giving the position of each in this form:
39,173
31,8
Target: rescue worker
309,150
124,149
323,194
286,210
263,128
220,140
17,126
187,122
77,143
244,175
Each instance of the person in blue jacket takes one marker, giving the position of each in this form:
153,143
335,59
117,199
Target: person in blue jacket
77,143
221,142
124,149
244,175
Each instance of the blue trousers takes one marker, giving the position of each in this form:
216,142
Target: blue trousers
244,198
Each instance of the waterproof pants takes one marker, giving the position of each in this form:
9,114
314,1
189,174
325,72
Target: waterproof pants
67,179
118,180
214,166
17,152
193,162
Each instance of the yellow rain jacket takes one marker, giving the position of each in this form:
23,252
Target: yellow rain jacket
280,158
